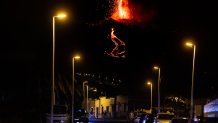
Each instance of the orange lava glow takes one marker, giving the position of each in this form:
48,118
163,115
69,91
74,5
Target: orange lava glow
128,12
119,48
122,10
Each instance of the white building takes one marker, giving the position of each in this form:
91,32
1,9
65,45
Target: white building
108,107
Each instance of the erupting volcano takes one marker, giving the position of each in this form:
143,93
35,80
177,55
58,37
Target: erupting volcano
125,11
121,10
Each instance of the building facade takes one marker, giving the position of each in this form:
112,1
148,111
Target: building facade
108,107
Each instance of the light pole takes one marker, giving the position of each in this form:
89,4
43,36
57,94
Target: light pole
149,83
73,59
53,65
192,86
85,100
158,83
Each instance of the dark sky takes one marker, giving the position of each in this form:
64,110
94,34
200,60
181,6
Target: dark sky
26,43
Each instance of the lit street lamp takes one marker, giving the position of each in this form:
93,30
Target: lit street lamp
149,83
158,68
53,64
192,86
95,89
73,59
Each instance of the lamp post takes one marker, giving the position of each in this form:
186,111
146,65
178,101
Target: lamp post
158,83
85,100
87,97
149,83
53,65
192,86
73,59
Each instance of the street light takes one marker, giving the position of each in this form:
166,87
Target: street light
75,57
85,102
87,97
158,68
53,65
189,44
95,89
149,83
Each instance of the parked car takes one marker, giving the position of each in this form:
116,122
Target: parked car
143,117
164,117
60,115
81,115
149,118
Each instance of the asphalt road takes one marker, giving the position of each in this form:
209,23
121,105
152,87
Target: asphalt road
108,121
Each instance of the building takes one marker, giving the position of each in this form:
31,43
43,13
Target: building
108,107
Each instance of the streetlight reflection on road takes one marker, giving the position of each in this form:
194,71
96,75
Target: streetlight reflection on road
73,59
53,64
189,44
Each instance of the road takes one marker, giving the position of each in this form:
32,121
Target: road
108,121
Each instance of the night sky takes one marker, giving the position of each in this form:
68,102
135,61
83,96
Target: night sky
26,44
